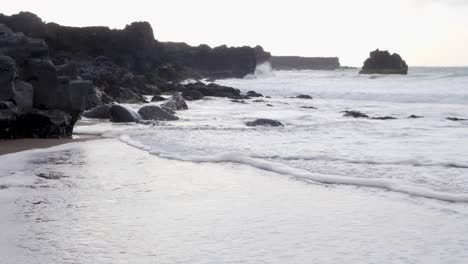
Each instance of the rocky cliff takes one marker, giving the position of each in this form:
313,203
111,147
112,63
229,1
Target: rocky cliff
304,63
43,68
135,49
34,100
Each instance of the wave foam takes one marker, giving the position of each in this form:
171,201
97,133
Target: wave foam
303,174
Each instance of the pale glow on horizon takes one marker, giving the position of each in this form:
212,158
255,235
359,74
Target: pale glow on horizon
424,32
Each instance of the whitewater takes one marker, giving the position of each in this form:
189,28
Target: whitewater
426,156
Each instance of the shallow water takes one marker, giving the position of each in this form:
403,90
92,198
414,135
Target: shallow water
422,156
117,204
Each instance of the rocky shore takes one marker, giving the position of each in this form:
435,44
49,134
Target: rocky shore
50,74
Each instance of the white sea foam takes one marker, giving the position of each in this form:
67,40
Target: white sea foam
303,174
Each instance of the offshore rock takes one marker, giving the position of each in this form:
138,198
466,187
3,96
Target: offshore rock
265,122
382,62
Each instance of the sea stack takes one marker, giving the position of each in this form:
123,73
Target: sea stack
382,62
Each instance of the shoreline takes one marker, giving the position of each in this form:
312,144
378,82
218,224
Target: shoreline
18,145
107,185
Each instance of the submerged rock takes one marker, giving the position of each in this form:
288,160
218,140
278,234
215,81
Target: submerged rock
456,119
265,122
355,114
308,107
381,62
123,114
383,118
254,94
153,112
304,96
175,103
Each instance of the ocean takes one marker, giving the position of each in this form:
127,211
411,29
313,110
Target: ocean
324,188
426,156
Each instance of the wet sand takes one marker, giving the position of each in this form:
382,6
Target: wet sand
17,145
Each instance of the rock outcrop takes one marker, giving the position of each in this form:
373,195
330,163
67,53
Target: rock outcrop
35,100
304,63
382,62
123,64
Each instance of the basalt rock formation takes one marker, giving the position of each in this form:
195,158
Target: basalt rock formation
382,62
34,100
304,63
130,58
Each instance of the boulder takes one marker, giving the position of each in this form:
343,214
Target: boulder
355,114
46,124
415,116
265,122
96,98
304,96
382,62
175,103
254,94
123,114
192,95
153,112
100,112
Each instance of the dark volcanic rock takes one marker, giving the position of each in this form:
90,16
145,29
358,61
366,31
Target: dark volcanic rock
96,98
456,119
192,95
381,62
135,48
100,112
125,96
123,114
308,107
355,114
37,103
175,103
212,89
304,96
383,118
157,98
153,112
238,101
254,94
264,122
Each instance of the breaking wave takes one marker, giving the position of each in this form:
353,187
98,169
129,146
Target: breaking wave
302,174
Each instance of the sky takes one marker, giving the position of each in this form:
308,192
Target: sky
423,32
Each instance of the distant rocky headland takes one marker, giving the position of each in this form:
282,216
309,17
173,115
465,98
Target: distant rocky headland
304,63
382,62
50,73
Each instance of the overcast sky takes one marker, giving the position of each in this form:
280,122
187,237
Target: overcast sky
424,32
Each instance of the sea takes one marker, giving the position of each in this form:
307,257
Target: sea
322,188
423,156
